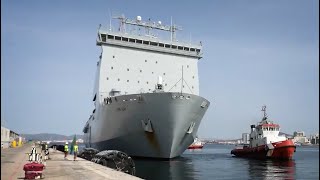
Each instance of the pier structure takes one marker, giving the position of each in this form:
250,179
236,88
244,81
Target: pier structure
13,160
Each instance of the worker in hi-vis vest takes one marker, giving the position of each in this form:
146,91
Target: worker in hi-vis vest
66,149
75,151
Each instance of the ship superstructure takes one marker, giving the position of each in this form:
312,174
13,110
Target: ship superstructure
146,92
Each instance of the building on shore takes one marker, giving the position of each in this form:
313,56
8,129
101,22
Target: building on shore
314,139
5,137
10,138
300,138
245,138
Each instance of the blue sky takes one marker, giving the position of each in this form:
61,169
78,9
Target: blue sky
255,53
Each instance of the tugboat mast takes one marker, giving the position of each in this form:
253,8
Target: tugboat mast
264,112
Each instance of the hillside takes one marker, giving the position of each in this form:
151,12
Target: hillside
49,137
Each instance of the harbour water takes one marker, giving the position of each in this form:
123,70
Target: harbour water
214,161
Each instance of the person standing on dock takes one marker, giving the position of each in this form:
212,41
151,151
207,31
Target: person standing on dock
75,151
66,149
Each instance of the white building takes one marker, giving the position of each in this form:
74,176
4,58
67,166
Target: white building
5,137
299,137
245,138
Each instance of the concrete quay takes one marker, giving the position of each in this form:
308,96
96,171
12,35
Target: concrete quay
13,159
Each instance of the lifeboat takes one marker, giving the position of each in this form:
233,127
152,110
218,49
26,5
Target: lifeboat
197,144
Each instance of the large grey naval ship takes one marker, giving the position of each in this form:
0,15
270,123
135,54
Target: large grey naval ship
146,94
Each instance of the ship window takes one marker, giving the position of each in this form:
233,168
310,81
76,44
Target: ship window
125,39
192,49
138,81
110,37
164,73
139,41
111,67
153,43
152,72
127,80
118,79
186,49
107,78
132,40
180,47
113,56
174,47
198,50
117,38
147,82
192,77
127,69
145,61
161,45
166,84
167,45
187,66
156,62
192,87
103,37
146,42
140,70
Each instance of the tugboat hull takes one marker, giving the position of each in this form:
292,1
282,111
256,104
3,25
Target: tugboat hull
278,150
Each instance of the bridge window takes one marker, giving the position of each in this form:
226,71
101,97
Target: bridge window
139,41
153,43
132,40
192,50
167,45
174,47
117,38
124,39
161,45
103,37
180,47
146,42
110,37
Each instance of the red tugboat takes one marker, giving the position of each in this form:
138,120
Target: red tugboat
265,142
197,144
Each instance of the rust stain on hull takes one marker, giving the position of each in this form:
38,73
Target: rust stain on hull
152,139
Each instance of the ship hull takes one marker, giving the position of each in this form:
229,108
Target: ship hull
154,125
280,150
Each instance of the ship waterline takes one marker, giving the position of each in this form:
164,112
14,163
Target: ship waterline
157,125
